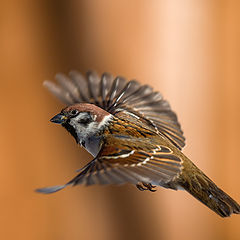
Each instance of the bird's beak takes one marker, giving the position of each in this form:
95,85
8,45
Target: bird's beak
59,118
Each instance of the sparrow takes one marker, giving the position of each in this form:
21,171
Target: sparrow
134,137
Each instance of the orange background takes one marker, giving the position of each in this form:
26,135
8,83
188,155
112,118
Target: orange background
188,50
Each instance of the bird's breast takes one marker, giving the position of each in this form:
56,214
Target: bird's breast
92,145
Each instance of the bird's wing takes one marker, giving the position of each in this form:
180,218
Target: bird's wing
118,164
117,96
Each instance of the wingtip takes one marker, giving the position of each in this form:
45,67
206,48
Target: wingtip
49,190
47,83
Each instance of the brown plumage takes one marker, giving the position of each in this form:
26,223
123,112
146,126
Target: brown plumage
194,181
134,137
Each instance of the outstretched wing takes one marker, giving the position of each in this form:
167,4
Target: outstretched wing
118,95
118,164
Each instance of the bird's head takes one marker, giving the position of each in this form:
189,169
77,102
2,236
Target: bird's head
83,120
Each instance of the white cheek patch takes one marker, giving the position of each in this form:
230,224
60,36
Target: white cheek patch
80,129
90,129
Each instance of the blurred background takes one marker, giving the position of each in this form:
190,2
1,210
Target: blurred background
188,50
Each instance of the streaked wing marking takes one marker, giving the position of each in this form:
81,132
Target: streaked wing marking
119,155
157,167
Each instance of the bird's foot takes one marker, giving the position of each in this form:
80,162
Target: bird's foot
146,186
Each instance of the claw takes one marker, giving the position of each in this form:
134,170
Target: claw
149,186
140,187
146,186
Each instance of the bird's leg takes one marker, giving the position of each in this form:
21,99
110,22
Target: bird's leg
145,186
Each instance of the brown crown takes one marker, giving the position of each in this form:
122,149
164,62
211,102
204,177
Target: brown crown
87,107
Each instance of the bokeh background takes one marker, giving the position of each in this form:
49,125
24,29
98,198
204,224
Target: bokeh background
189,50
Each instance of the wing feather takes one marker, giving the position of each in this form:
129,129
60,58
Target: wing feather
157,165
117,95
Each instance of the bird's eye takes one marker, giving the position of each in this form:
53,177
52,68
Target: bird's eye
73,112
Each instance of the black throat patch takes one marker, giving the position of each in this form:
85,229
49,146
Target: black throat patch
71,130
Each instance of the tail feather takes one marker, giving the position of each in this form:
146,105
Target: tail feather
206,191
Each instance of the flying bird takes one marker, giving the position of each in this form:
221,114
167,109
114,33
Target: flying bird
134,137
